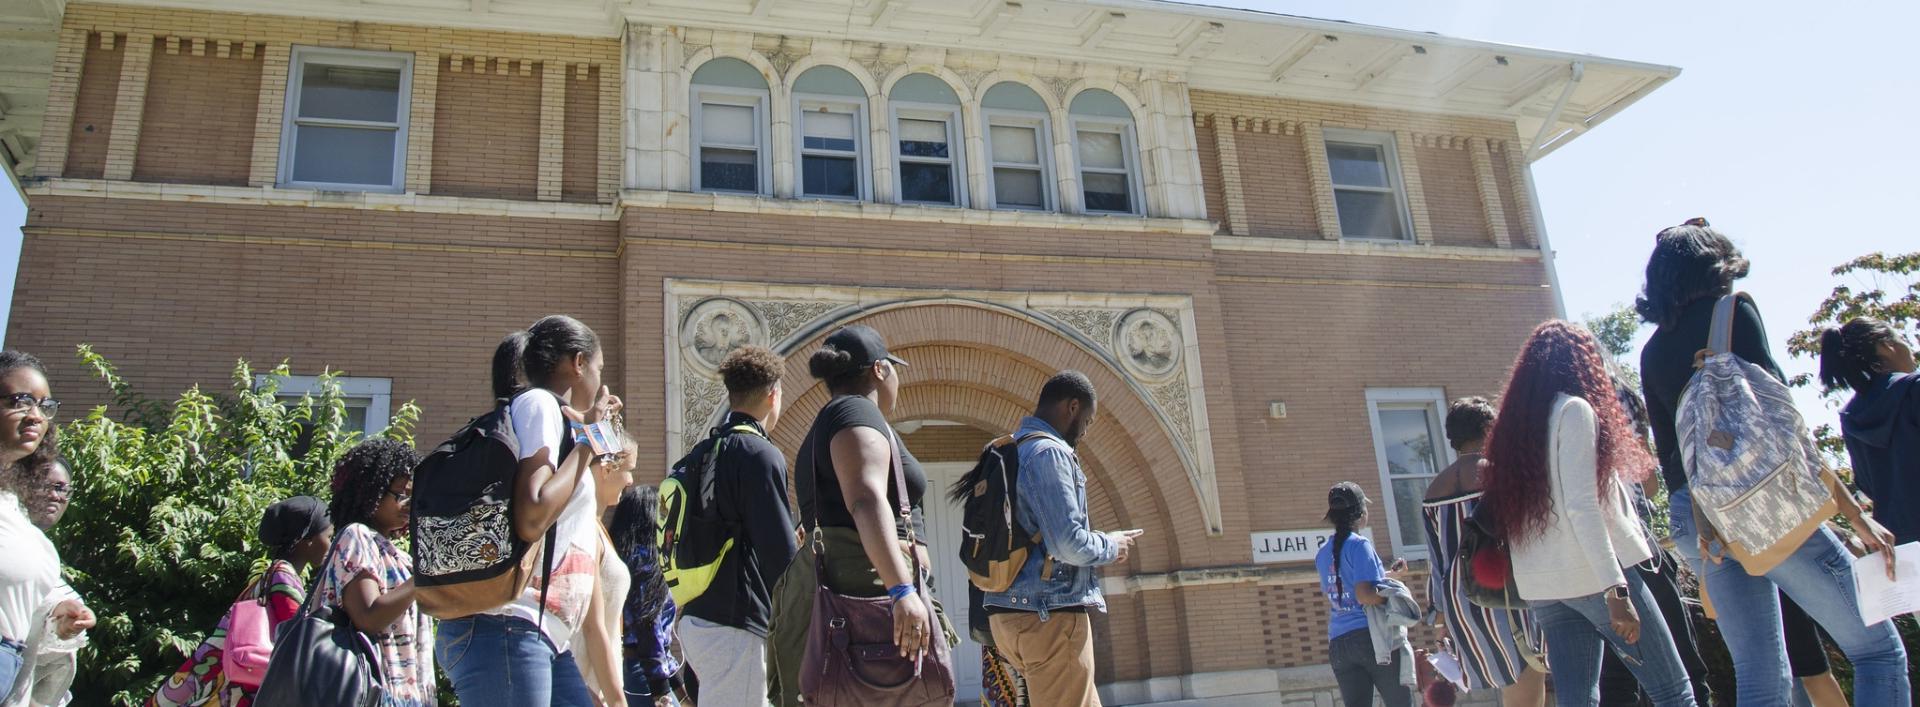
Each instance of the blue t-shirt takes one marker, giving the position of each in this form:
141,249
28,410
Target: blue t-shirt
1358,563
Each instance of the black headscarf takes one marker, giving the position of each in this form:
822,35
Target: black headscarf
291,521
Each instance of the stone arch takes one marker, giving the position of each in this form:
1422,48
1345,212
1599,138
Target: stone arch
759,61
952,79
987,362
1119,90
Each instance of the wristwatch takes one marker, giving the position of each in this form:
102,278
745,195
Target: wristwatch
1618,591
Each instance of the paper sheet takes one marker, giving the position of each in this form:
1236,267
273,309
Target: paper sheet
1448,667
1881,598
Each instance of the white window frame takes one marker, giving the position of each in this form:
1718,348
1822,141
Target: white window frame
291,120
862,136
1434,401
723,95
956,151
1390,156
1129,154
378,392
1043,137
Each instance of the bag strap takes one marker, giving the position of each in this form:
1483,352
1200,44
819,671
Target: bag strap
712,460
1720,337
307,602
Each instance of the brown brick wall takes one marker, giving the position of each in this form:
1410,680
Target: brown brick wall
580,169
1279,200
486,132
1215,191
1517,228
948,443
93,110
1453,197
198,122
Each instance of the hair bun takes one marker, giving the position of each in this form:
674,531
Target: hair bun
829,363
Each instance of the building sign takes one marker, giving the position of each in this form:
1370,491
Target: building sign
1293,545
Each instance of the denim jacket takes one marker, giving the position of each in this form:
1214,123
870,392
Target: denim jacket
1053,500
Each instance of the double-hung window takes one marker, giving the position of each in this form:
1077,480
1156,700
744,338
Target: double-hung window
1366,185
830,137
1108,170
729,138
1411,450
346,120
1018,146
927,155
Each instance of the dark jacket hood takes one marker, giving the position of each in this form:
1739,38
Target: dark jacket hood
1873,414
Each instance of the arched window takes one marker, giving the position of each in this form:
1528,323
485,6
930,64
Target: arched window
1020,148
831,108
730,128
1103,144
927,141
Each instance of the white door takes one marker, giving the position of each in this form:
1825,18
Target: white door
950,577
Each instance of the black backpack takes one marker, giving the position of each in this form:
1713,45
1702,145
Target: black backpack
466,556
694,539
994,544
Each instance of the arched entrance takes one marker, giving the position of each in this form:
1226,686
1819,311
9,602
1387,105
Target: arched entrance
974,373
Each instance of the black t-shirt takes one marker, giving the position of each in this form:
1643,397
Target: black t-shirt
750,489
1666,365
819,489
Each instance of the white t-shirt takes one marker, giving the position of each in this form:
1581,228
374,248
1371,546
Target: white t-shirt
538,423
30,581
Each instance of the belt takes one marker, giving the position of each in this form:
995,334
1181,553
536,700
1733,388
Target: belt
16,646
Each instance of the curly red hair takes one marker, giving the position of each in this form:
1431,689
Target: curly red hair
1558,358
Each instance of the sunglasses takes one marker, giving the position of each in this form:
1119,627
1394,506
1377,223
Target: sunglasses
22,402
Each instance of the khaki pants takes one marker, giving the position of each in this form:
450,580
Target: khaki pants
1055,656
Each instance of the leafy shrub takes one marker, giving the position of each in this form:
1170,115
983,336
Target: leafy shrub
166,505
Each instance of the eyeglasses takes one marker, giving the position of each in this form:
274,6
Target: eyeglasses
22,402
59,488
401,497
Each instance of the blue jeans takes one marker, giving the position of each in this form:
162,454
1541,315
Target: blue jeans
9,663
1578,632
508,662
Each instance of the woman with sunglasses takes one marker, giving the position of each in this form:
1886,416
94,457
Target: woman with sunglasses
41,618
373,579
1693,265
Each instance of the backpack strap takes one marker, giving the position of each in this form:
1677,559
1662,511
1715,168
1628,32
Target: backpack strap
1720,337
712,460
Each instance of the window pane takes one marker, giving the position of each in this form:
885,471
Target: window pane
343,155
828,131
349,93
923,138
729,170
1015,144
727,125
1407,495
1357,165
830,176
926,182
1018,188
1101,150
1411,447
1366,214
1107,192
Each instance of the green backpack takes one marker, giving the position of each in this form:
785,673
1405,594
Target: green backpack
694,539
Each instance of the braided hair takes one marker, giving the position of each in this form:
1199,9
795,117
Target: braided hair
363,476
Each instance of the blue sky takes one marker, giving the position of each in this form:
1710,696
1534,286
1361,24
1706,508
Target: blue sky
1789,129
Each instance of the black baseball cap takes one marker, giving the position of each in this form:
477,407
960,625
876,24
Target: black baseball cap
864,343
1345,496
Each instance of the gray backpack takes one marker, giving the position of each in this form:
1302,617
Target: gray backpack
1755,474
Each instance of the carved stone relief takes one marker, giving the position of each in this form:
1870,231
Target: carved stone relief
715,327
1149,343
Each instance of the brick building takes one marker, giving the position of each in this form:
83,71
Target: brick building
1277,244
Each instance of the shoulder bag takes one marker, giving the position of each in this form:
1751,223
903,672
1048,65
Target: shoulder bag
321,660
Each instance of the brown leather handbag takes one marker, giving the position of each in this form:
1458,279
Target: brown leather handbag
851,659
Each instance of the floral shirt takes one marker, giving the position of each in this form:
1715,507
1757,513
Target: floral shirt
406,647
202,680
648,625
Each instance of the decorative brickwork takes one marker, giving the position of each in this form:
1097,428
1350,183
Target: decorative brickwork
487,136
93,110
200,118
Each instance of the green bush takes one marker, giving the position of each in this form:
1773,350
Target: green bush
167,502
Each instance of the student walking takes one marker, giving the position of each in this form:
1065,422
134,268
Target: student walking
1040,623
1350,571
514,655
42,619
48,482
1485,640
1560,455
297,534
370,577
844,475
1693,267
596,646
1881,424
653,672
724,630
